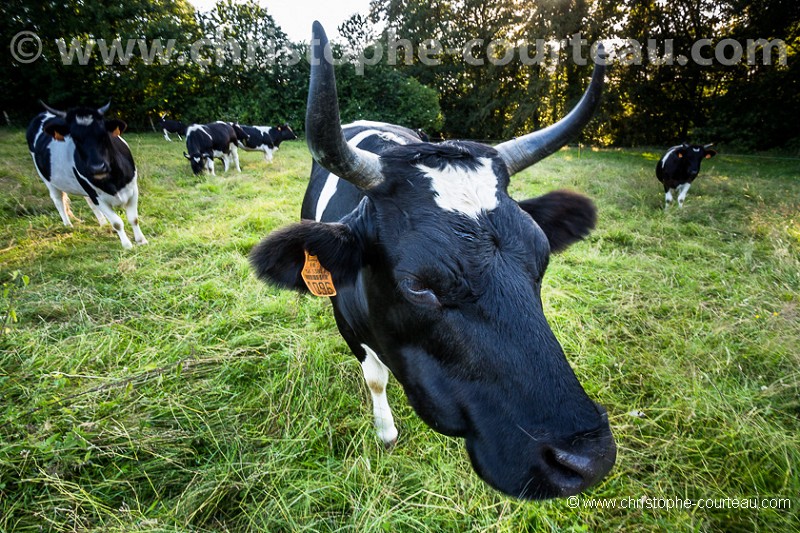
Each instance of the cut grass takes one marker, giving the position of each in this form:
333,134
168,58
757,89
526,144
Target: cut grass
165,389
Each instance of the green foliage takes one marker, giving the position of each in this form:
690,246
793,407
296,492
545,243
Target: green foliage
750,107
387,95
166,389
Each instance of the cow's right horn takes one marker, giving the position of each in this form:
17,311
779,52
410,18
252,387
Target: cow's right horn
56,112
524,151
324,134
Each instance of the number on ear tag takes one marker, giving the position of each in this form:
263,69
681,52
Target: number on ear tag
318,280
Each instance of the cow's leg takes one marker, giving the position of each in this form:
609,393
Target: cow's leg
132,212
377,376
268,155
116,223
235,156
683,190
166,136
667,197
225,161
61,202
210,166
101,218
179,136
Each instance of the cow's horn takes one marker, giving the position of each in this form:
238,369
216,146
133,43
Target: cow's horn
707,146
522,152
105,108
324,133
56,112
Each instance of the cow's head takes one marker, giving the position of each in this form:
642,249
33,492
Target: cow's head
691,155
241,135
283,132
446,269
198,160
91,134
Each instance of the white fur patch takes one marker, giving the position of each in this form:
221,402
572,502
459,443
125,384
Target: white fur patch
328,190
84,121
470,192
196,127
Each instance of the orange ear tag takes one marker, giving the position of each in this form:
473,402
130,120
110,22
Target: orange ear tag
318,280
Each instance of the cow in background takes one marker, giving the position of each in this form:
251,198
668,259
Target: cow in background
204,142
81,152
171,126
267,139
679,168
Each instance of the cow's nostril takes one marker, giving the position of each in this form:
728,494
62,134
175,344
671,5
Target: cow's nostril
102,168
569,472
572,471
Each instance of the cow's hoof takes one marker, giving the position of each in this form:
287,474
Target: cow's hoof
143,241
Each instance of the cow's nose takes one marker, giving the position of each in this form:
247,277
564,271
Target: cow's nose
574,467
101,168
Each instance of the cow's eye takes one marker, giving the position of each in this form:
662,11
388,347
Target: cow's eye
417,293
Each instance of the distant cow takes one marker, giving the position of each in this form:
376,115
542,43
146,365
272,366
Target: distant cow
435,274
204,142
679,167
171,126
80,152
266,139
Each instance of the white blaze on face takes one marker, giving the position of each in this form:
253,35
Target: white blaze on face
469,192
84,121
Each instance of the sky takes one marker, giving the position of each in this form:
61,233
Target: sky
295,16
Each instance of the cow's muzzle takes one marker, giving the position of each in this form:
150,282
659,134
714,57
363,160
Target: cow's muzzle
543,467
100,171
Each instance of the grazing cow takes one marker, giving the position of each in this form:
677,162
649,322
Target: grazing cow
435,274
204,142
171,126
80,152
679,167
266,139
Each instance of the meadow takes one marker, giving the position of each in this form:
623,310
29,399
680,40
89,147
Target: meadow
166,389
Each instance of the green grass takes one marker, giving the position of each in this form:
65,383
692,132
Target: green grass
165,389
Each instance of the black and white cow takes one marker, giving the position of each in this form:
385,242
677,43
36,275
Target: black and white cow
267,139
80,152
204,142
171,126
438,273
679,167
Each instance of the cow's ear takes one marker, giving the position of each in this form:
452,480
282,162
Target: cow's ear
56,128
565,217
116,127
280,257
710,154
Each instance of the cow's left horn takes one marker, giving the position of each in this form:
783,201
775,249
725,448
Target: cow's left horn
524,151
105,108
324,134
56,112
707,146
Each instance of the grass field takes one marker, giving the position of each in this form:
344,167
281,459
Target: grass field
165,389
